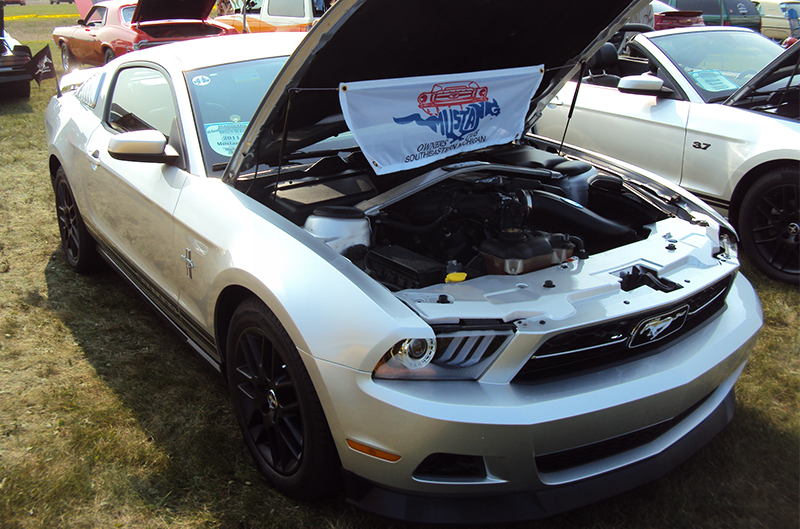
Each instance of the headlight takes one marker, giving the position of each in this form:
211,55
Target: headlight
416,353
453,355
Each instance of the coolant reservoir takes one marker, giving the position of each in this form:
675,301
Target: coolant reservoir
341,227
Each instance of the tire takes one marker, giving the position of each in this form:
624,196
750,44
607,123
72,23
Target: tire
769,224
67,62
276,406
79,247
109,56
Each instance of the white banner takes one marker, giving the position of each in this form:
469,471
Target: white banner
406,123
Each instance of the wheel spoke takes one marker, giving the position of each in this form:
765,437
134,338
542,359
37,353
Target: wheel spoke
773,209
247,388
74,242
252,351
292,432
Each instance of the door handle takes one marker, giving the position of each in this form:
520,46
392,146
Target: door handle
95,159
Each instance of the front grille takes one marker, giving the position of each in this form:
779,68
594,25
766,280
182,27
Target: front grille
610,343
582,455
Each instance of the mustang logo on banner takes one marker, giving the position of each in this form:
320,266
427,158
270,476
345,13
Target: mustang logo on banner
406,123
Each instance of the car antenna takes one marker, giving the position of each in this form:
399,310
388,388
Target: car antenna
572,107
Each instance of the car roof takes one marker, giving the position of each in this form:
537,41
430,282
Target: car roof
202,53
111,4
697,29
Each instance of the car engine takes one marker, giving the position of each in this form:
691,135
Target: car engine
514,212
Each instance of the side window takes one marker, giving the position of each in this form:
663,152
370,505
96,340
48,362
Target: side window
96,17
90,90
142,100
127,14
286,8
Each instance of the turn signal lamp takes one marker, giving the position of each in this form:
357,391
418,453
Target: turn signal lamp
374,452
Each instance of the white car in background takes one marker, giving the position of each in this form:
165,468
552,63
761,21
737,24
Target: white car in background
417,304
690,105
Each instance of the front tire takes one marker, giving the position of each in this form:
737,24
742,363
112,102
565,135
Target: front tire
276,406
769,224
79,247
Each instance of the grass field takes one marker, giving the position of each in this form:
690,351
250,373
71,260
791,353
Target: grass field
108,420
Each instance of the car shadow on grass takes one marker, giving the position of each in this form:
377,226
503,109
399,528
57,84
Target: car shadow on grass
14,106
180,405
178,402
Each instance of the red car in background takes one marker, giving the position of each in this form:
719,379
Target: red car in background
115,27
667,17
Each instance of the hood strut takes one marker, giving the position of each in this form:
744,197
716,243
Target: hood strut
291,92
789,84
572,107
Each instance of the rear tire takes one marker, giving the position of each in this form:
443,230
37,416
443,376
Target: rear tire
67,61
277,408
769,224
109,56
79,247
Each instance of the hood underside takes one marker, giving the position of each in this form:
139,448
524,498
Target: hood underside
361,40
150,10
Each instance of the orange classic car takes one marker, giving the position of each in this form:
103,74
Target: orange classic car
115,27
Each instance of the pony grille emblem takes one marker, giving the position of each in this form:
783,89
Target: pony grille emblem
657,328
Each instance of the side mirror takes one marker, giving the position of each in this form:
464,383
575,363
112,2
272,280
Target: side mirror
81,22
142,146
646,85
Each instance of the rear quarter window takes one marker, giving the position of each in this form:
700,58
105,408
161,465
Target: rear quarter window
286,8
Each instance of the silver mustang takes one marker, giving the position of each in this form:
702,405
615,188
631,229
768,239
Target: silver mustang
411,299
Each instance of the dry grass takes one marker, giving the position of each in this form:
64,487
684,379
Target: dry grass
108,420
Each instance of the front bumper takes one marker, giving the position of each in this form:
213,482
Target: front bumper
531,505
592,429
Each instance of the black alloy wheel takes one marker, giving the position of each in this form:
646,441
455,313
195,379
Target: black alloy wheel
769,224
276,406
79,247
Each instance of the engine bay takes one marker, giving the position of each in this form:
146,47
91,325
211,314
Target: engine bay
510,211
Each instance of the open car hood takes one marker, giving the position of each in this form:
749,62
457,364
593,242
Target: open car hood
769,88
361,40
150,10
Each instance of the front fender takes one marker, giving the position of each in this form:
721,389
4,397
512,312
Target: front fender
330,308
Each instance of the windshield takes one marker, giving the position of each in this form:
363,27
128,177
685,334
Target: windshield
717,63
224,99
777,90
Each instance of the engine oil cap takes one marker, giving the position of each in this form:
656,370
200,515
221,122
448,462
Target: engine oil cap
455,277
